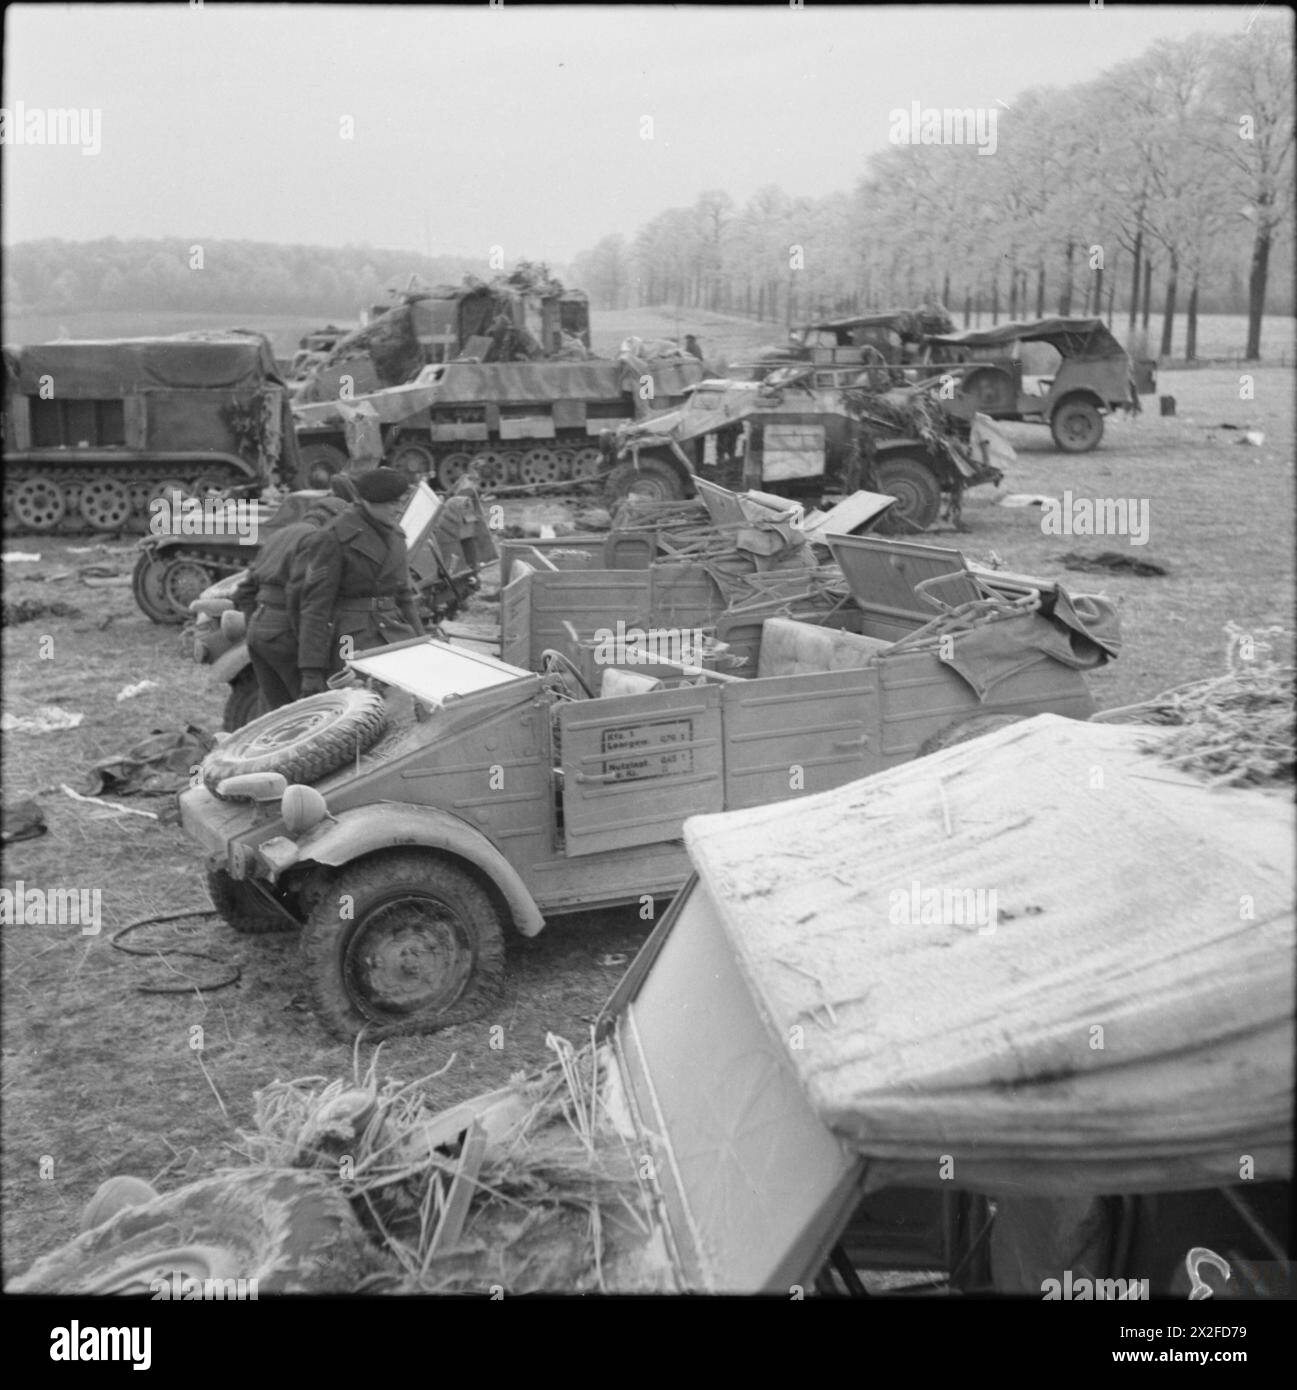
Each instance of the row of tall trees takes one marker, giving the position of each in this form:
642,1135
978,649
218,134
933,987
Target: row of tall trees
1165,183
54,275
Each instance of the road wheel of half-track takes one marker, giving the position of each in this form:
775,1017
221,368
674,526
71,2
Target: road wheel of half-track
421,947
105,504
38,503
319,463
304,741
451,468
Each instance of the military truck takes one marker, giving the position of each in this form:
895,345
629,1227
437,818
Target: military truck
811,431
475,794
94,431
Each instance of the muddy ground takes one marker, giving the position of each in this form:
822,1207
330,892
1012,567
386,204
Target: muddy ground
100,1078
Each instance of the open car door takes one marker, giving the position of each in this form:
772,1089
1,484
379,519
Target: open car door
634,767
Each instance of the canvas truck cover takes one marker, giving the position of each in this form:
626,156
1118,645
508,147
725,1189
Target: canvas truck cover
1119,882
115,368
1090,333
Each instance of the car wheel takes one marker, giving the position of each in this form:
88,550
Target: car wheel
240,907
654,480
304,741
917,493
319,463
420,947
1076,426
149,586
243,704
290,1232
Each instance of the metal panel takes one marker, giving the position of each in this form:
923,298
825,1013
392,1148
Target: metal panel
586,599
449,432
789,735
526,426
882,575
792,451
515,617
635,767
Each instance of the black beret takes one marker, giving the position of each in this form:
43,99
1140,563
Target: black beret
381,485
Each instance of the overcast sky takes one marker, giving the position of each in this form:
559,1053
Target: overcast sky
511,126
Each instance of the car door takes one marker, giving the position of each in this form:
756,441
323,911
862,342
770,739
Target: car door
634,767
789,736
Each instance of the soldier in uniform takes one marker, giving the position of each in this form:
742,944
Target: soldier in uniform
262,595
356,591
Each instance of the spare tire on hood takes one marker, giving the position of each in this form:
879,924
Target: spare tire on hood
303,741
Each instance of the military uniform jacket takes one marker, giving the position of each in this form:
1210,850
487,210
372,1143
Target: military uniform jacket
270,570
353,561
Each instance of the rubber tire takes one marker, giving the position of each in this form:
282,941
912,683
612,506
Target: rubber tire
652,474
240,908
964,732
908,475
358,720
155,606
294,1232
243,704
368,883
319,462
1094,421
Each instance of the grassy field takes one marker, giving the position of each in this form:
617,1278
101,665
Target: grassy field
101,1079
722,336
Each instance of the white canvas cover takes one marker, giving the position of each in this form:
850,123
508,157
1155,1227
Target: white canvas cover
1121,1021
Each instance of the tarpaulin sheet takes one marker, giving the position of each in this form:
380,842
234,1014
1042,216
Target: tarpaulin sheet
1100,340
107,370
1126,1025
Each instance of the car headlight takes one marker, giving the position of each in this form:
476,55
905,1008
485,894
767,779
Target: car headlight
302,808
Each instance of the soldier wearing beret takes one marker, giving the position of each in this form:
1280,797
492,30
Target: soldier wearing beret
356,591
262,595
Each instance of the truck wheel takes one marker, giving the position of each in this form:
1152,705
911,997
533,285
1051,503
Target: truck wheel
148,584
241,907
304,741
243,704
1076,426
421,947
972,728
653,479
917,493
319,463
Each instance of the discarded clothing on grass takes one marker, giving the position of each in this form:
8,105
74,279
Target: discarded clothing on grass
160,763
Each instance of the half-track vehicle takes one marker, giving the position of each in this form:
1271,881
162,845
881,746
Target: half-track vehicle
94,432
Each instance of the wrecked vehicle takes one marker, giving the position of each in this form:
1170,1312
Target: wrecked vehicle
480,795
94,432
444,579
801,1087
812,432
896,337
498,377
1081,373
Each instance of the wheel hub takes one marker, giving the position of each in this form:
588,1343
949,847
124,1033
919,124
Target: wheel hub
105,504
410,954
288,729
38,504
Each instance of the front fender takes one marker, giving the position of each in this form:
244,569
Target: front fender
353,834
229,665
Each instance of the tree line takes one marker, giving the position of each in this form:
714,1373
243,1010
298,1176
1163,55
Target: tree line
1164,183
216,276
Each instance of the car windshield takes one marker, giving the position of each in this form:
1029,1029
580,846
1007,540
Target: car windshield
436,672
